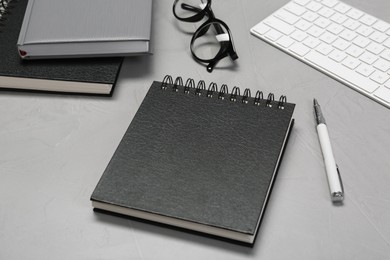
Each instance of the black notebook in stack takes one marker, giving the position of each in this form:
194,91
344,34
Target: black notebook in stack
85,76
198,157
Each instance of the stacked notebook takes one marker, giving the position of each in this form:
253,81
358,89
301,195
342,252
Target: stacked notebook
199,158
87,28
86,75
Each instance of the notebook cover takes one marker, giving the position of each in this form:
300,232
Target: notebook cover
88,28
97,70
195,158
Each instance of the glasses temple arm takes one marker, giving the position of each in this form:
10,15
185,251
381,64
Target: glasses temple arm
190,8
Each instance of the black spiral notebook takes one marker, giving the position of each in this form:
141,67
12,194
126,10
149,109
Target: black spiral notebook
82,76
199,158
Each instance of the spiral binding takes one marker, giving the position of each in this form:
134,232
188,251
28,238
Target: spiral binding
223,92
5,5
201,86
212,88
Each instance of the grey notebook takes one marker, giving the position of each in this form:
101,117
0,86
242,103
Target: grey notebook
81,76
87,28
200,159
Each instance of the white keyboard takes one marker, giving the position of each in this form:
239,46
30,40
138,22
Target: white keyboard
337,39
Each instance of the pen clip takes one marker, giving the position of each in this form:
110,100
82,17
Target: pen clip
341,181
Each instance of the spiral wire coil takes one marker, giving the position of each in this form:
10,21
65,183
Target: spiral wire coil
223,92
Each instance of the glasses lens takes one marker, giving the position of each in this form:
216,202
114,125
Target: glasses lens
210,40
189,8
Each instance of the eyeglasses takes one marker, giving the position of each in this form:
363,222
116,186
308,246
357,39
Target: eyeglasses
212,41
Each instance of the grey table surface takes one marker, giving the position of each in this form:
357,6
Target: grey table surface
54,148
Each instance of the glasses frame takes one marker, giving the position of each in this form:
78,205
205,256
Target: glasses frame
227,47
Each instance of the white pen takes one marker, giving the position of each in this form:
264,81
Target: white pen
332,171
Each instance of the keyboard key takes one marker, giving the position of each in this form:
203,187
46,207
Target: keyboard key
354,51
329,3
387,84
351,63
348,35
328,37
295,9
325,12
299,49
364,30
368,58
310,16
361,41
383,93
335,28
314,6
382,65
379,77
287,17
368,20
387,43
315,31
365,70
285,41
324,48
355,14
341,44
273,35
386,54
302,25
337,55
338,18
381,26
342,8
378,37
298,35
335,68
351,24
375,48
311,42
261,28
279,25
322,22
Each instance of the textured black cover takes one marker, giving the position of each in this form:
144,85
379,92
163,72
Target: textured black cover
196,158
99,70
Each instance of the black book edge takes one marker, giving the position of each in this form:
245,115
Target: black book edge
176,228
227,234
274,177
80,92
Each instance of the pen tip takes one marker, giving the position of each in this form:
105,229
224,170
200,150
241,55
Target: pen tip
315,102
